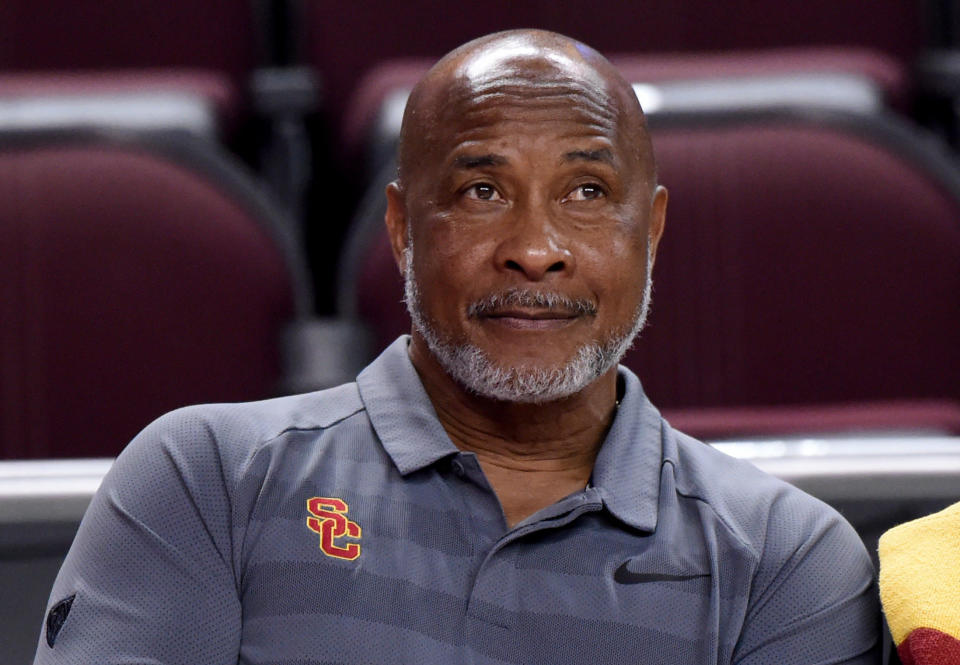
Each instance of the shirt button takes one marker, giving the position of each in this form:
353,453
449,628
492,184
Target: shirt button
458,469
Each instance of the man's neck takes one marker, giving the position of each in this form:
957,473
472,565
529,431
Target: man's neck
532,454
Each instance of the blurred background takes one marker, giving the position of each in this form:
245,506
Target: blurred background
191,211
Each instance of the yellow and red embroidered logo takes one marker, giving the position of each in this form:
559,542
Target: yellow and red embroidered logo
328,518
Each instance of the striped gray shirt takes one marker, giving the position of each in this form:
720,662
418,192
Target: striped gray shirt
343,527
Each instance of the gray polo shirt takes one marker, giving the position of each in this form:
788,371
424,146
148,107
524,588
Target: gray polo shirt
343,527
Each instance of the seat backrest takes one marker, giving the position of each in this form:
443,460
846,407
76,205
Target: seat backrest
216,35
196,101
138,275
808,258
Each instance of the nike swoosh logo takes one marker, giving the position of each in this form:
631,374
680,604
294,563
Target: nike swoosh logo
624,575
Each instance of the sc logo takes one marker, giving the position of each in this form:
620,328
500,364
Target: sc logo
329,519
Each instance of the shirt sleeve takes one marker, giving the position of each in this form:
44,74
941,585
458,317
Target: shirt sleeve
151,569
812,602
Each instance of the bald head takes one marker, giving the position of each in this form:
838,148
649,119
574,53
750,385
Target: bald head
530,67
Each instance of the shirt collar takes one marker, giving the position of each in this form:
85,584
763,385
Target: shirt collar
401,412
627,470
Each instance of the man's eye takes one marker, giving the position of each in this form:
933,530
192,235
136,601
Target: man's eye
586,193
483,192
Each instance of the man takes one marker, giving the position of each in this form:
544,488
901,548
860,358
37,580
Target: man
492,489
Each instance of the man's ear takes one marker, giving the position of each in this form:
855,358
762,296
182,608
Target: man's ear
658,218
396,221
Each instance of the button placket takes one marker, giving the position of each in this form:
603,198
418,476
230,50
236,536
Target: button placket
493,598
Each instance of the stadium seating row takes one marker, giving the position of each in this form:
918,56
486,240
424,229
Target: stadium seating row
230,39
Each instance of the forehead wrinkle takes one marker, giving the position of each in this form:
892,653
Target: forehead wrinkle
473,141
591,112
470,114
479,161
522,83
597,137
523,90
602,155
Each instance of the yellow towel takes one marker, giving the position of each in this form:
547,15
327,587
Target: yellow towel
920,587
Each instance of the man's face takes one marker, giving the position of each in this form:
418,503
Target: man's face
528,218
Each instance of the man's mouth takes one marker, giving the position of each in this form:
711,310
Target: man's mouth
530,310
531,319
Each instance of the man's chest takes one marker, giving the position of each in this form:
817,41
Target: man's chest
387,579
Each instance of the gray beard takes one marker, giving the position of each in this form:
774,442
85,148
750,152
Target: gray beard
473,369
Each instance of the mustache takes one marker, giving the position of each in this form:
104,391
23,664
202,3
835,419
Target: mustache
517,297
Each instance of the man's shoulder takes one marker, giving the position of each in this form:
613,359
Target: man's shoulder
761,510
810,573
230,434
263,420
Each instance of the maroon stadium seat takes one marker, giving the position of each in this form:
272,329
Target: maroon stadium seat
138,275
218,36
806,260
163,64
205,49
199,102
810,259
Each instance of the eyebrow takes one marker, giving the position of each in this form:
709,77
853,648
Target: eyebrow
479,161
602,155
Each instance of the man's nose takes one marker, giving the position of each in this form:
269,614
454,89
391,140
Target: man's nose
534,247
